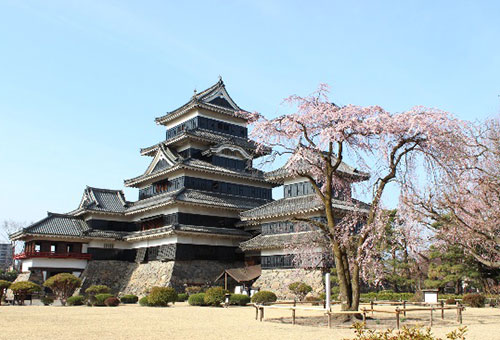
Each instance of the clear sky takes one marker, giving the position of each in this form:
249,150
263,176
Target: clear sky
82,81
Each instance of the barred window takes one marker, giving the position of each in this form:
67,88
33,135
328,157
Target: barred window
109,245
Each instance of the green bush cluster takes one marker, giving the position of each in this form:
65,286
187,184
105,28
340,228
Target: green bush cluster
214,296
264,296
386,295
474,300
77,300
144,301
99,299
94,290
182,297
197,299
406,333
8,275
4,285
239,299
300,289
46,300
24,288
161,296
129,299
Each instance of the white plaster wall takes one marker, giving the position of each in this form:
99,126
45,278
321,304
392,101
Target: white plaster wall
212,241
116,244
295,180
207,114
281,251
53,263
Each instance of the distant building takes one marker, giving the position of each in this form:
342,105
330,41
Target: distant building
5,255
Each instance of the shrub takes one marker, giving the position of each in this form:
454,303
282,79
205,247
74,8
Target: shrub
100,298
63,285
264,296
450,301
406,333
76,300
197,299
24,288
94,290
193,290
112,302
300,289
144,301
4,285
129,298
215,296
474,300
182,297
161,296
8,276
46,300
315,300
239,299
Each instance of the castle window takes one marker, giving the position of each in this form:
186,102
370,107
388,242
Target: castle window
53,248
38,247
109,245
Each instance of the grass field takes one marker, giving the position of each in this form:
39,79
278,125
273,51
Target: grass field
185,322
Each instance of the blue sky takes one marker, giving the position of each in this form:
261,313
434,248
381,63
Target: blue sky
82,81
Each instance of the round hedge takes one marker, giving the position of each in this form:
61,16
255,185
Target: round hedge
215,296
197,299
77,300
182,297
239,299
161,296
144,301
129,298
264,296
100,298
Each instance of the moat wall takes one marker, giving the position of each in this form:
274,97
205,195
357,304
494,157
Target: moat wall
278,280
134,278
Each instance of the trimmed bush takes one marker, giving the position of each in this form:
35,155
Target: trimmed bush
112,302
193,290
406,333
24,288
94,290
215,296
474,300
197,299
63,285
144,301
451,301
100,298
182,297
161,296
8,276
4,285
47,301
315,300
239,299
77,300
264,296
129,298
300,289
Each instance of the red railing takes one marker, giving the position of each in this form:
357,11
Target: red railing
27,255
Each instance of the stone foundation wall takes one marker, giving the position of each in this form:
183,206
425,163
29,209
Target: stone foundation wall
278,280
133,278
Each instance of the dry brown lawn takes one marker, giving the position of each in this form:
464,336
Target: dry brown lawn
185,322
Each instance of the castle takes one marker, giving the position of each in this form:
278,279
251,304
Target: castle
202,210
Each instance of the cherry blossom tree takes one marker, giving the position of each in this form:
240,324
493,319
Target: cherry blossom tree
463,205
319,135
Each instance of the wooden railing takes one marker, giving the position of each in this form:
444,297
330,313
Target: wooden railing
30,254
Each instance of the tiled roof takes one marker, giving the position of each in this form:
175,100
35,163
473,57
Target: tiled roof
196,197
204,135
104,200
299,205
281,240
197,164
214,98
64,225
280,174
